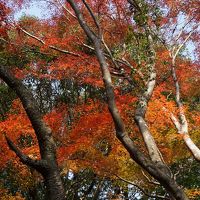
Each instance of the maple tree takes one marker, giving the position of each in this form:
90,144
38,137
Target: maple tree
61,68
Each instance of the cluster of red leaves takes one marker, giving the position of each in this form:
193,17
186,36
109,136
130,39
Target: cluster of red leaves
92,125
4,12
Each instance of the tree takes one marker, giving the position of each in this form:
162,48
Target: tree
154,166
47,165
42,48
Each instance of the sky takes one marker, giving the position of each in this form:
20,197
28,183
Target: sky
35,10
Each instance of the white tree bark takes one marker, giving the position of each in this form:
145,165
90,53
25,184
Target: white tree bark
181,124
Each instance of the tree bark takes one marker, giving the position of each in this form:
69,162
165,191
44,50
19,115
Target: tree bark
181,123
141,109
54,185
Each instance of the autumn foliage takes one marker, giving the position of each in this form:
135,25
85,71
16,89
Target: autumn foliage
57,62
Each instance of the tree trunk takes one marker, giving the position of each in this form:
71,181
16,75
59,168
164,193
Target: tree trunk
47,166
157,170
52,179
181,123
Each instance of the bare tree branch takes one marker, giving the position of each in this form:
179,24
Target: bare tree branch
183,43
67,10
36,164
93,17
141,189
50,46
149,180
116,63
186,22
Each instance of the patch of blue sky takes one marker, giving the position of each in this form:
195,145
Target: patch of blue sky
38,9
189,51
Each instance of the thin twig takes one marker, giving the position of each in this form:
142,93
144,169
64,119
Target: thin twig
141,189
150,181
183,43
50,46
67,10
120,61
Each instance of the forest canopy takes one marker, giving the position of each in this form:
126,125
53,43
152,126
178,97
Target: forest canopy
100,100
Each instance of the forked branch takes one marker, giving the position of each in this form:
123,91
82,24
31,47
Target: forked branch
36,164
156,169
